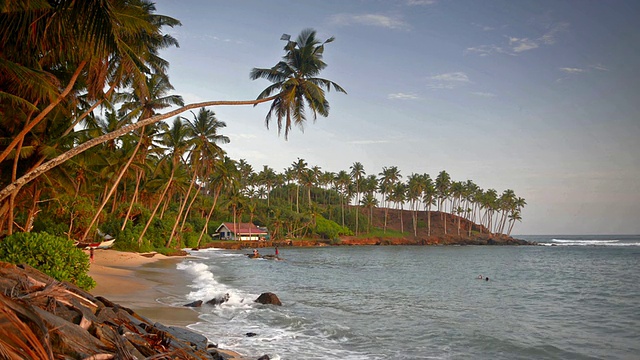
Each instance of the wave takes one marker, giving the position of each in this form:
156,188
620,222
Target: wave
207,288
590,242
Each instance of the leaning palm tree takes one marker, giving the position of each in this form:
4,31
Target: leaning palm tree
294,80
295,83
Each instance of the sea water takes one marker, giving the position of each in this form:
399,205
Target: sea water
579,299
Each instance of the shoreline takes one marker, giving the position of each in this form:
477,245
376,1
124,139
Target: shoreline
139,281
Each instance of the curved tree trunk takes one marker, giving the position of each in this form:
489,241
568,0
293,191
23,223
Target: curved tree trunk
133,200
28,127
111,191
164,192
206,223
26,178
182,206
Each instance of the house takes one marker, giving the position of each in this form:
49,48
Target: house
243,231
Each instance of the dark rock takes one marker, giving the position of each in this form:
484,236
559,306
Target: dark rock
199,342
264,357
219,300
268,298
194,304
250,334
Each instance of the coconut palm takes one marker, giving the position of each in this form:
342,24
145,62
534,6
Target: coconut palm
298,168
398,196
357,172
342,181
388,177
294,80
429,196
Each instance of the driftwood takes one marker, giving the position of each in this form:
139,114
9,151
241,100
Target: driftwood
41,318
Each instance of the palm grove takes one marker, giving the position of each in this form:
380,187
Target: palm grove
83,145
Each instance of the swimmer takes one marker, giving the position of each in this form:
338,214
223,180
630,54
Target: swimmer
480,277
487,279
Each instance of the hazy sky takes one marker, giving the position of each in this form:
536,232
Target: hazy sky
542,97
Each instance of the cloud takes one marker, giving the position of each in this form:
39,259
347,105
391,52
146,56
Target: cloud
483,94
599,67
448,80
520,45
402,96
573,70
486,50
516,45
378,20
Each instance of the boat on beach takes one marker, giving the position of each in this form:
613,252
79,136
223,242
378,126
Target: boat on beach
105,244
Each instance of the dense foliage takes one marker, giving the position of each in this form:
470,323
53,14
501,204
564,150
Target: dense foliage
53,255
83,146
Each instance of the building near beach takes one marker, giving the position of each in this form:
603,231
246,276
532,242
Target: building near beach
241,231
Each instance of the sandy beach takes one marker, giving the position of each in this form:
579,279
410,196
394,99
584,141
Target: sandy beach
139,281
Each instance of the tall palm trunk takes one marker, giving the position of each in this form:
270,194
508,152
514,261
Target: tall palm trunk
134,198
182,206
206,223
111,191
186,214
153,214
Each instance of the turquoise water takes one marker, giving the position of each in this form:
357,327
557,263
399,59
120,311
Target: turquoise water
577,300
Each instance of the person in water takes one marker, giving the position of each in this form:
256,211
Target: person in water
480,277
277,251
487,278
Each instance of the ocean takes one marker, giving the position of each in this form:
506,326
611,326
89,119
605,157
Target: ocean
578,297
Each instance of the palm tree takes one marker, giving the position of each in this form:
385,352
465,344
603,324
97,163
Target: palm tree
204,129
398,196
342,184
357,172
294,80
429,197
415,188
388,177
369,201
268,178
443,183
223,176
298,168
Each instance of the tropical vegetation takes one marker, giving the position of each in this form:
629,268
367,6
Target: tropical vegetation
83,145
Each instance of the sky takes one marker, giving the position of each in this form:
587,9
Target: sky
541,97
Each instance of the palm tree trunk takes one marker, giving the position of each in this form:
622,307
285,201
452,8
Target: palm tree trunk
111,191
133,199
206,223
153,214
429,221
44,113
186,214
182,206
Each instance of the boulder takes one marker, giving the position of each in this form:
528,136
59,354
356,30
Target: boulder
219,300
268,298
194,304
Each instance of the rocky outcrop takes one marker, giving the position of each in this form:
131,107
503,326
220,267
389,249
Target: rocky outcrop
268,298
45,319
219,300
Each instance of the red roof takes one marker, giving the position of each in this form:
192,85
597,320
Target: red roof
242,228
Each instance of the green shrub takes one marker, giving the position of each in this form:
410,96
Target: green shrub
53,255
328,229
